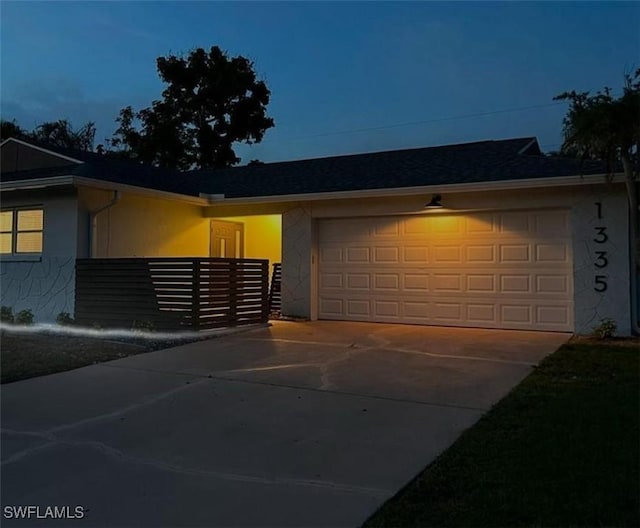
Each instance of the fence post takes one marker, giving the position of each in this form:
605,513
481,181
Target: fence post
234,284
195,318
265,291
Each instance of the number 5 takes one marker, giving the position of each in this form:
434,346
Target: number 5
600,283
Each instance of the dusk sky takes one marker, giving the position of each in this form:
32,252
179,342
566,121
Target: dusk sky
344,77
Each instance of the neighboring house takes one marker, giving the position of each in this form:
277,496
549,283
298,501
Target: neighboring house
522,241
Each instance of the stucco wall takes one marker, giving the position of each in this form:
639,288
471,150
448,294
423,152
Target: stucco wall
590,306
298,246
140,226
608,234
45,284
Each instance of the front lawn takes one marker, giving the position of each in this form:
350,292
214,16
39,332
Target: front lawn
562,449
26,355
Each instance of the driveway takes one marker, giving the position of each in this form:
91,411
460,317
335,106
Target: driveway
299,424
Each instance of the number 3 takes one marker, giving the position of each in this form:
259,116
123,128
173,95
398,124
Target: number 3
602,236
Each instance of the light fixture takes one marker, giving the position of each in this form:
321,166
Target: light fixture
435,202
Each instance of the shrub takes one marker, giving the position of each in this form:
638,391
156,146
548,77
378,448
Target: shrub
64,318
24,317
606,329
6,314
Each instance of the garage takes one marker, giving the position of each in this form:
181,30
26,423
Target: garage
492,269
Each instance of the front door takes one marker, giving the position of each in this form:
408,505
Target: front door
227,239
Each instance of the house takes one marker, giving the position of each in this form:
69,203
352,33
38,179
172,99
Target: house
491,234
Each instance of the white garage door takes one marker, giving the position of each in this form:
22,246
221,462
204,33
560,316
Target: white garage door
508,269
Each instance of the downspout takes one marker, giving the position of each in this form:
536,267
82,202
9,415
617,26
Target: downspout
93,223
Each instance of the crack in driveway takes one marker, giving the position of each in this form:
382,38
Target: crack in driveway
111,452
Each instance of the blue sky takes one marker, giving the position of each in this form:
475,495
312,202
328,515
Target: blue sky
332,67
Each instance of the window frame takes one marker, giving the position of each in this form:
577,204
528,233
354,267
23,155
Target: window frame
15,231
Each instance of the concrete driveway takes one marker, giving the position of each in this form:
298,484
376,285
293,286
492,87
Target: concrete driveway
300,424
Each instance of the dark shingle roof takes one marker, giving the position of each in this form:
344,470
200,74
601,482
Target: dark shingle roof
100,167
484,161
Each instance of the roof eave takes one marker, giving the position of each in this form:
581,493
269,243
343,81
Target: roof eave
57,181
529,183
36,183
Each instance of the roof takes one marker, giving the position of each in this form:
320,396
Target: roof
478,162
483,161
101,167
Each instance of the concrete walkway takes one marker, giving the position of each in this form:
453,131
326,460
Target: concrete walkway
300,424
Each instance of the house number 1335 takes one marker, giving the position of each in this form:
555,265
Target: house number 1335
602,260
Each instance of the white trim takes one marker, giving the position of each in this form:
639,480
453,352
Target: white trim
62,156
529,183
523,149
219,199
36,183
145,191
43,183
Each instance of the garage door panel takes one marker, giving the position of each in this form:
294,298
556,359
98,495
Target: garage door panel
481,313
331,281
552,284
515,253
481,224
494,270
447,254
516,223
358,307
553,223
386,255
481,254
415,255
552,253
552,315
358,281
415,281
386,281
331,255
481,283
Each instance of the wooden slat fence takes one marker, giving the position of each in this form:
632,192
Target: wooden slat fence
275,292
171,293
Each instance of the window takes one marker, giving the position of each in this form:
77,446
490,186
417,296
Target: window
21,231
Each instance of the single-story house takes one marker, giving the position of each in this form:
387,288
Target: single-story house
491,234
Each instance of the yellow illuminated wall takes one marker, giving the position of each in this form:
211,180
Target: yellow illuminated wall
262,236
139,226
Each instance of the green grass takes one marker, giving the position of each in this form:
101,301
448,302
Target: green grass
24,356
562,449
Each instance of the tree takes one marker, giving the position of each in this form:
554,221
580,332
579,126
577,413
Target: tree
603,127
61,134
57,133
211,101
11,129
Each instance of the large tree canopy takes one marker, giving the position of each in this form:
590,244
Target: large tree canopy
211,102
57,133
601,126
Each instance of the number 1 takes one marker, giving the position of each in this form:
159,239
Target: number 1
599,207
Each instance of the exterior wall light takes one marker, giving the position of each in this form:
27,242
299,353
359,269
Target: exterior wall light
435,203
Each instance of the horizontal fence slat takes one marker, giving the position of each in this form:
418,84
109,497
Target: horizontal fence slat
171,293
